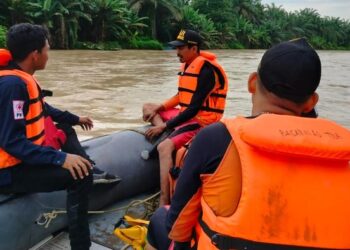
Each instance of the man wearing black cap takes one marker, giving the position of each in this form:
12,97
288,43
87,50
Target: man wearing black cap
274,180
201,96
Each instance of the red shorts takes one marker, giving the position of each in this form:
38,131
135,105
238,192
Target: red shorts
182,133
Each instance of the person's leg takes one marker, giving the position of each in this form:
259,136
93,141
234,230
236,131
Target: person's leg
157,235
175,141
77,212
165,150
73,146
184,134
30,179
156,120
148,110
149,247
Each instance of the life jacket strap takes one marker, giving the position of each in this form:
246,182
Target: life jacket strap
38,136
46,92
35,100
203,108
187,74
35,119
218,95
186,90
225,242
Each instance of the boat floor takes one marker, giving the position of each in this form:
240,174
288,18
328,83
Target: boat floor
101,228
61,242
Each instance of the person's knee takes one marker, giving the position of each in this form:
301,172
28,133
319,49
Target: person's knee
67,128
85,183
147,106
149,247
89,178
157,235
165,148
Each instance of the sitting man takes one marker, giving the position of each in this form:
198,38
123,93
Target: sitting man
201,95
274,180
26,164
64,136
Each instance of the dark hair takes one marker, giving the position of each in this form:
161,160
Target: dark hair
191,45
24,38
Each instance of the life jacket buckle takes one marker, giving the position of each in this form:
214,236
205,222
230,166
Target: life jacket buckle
221,241
174,172
215,238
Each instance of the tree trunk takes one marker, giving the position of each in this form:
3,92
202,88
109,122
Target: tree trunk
154,21
103,31
63,44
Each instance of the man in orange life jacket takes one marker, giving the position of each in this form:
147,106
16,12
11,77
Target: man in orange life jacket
25,164
274,180
201,96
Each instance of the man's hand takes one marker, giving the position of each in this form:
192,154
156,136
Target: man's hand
77,166
154,131
85,123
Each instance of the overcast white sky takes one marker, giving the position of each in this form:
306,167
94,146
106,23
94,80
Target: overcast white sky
336,8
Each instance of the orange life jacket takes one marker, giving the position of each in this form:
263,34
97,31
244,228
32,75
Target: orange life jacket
295,187
214,106
5,57
34,118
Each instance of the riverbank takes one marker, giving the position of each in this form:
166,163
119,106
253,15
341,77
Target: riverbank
145,43
149,24
149,44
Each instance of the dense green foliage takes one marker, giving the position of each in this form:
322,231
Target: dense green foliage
2,36
143,43
146,24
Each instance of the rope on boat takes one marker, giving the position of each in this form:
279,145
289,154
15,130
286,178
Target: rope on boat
126,247
45,219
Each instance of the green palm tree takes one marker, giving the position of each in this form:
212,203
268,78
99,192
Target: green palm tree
2,36
334,31
15,11
109,19
277,24
219,11
136,23
192,19
70,25
153,9
308,20
249,9
46,11
62,18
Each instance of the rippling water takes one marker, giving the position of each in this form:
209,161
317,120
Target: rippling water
111,86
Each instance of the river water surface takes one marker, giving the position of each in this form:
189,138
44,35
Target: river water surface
111,86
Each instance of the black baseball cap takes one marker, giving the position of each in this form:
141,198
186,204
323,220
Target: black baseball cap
186,37
291,70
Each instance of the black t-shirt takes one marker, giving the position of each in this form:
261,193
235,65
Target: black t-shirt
206,83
